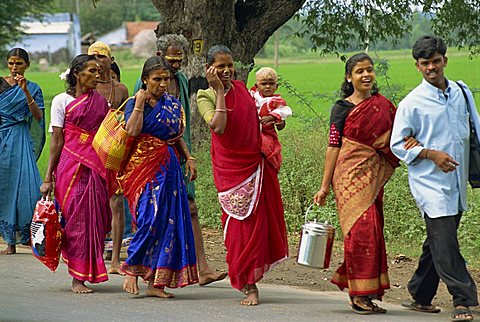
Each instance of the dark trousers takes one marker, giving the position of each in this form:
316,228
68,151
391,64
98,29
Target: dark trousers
441,259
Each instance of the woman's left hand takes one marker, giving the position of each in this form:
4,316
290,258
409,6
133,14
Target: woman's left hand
21,81
191,170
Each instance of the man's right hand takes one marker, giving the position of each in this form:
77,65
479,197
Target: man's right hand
442,160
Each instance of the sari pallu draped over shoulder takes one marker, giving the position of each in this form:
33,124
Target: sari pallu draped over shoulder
249,193
81,190
236,158
364,165
163,247
21,142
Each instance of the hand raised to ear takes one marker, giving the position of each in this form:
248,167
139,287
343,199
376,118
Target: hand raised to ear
213,79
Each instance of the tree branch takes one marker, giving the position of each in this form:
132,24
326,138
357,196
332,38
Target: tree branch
258,19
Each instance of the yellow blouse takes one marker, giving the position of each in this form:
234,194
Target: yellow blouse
206,100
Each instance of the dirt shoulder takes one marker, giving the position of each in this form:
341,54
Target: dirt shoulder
290,273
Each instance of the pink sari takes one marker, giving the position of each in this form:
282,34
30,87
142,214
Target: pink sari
81,190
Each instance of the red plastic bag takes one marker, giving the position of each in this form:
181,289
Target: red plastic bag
46,234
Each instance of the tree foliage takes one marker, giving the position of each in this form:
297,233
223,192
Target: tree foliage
13,12
342,24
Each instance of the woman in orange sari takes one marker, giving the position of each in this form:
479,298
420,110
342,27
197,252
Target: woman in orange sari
358,163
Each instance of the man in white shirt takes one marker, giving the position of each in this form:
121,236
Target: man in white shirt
436,114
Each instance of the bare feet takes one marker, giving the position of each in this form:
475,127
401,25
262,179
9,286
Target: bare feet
157,292
79,287
130,284
206,278
115,269
10,250
252,296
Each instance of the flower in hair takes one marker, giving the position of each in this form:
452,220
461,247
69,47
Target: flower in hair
63,76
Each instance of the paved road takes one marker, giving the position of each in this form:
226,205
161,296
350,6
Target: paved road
30,292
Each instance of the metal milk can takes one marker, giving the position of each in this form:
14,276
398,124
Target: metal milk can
316,244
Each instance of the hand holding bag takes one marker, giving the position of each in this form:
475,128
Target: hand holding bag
112,142
474,169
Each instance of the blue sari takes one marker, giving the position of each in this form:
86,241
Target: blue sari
163,247
21,142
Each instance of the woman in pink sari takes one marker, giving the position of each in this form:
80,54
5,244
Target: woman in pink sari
358,163
248,188
80,179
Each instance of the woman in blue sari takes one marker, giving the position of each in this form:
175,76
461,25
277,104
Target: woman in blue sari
162,251
22,136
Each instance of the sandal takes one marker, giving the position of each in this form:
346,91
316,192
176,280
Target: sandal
465,311
413,305
378,309
360,310
369,307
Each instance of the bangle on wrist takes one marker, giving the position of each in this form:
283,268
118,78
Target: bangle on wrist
31,102
138,109
220,110
47,181
191,158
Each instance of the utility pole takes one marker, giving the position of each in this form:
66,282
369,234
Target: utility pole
276,48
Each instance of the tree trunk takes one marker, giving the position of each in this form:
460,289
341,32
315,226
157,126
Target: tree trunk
243,26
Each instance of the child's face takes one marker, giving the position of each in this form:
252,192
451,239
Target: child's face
267,86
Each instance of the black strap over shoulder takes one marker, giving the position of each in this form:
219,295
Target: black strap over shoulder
474,169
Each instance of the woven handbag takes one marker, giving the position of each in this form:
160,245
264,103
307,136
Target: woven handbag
112,142
474,162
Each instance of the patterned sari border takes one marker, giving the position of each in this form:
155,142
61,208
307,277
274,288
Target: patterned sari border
163,276
258,176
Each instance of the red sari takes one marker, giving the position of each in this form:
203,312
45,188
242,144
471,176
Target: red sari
249,193
364,165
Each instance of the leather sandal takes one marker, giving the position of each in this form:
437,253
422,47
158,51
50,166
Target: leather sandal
413,305
462,311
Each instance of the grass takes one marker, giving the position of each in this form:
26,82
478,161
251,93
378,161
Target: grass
304,141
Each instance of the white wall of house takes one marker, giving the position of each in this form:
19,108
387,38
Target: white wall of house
59,31
116,37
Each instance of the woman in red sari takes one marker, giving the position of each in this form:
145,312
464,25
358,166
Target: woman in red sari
81,180
248,188
358,163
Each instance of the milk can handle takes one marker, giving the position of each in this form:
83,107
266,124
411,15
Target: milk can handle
306,212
